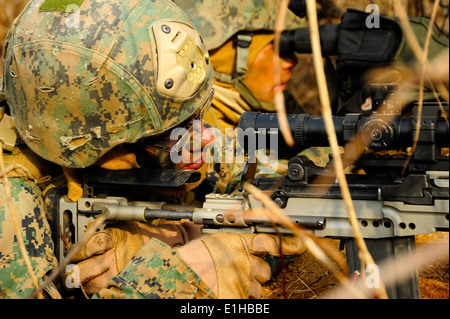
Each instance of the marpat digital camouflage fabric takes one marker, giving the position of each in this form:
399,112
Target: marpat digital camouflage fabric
80,83
15,281
80,78
218,20
156,272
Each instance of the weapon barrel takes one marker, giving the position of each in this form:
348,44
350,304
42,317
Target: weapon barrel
150,214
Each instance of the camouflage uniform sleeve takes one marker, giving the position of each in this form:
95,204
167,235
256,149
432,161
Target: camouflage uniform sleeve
156,272
15,281
319,155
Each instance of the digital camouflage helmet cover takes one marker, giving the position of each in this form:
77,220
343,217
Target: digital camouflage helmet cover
83,76
219,20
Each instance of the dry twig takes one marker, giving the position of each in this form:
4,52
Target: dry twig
399,270
365,256
278,92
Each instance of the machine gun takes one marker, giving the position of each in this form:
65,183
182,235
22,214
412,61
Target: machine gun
391,206
399,195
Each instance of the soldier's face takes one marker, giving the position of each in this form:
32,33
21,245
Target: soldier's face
185,146
260,75
196,155
189,155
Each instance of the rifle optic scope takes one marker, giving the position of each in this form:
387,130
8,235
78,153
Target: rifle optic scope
377,132
299,40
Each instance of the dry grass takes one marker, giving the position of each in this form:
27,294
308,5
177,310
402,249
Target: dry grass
307,278
434,277
304,88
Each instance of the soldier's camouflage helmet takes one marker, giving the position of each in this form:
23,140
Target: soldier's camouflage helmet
219,20
83,76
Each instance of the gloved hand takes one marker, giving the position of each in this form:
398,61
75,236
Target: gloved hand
107,252
230,264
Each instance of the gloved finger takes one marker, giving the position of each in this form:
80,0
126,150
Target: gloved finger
99,243
172,233
292,245
232,263
95,284
95,281
190,230
255,290
95,266
260,269
94,271
262,244
260,274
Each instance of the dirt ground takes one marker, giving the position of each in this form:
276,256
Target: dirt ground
307,278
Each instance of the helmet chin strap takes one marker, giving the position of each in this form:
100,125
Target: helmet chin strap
243,40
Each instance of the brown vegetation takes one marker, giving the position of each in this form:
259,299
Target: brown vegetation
307,278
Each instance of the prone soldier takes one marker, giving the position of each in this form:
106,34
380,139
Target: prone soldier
86,88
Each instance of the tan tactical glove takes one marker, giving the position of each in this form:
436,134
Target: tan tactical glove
229,263
107,252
